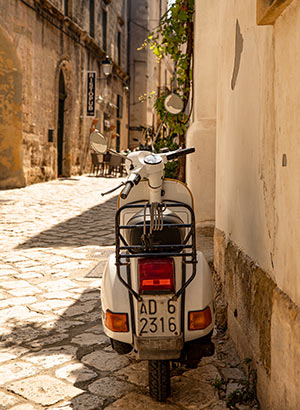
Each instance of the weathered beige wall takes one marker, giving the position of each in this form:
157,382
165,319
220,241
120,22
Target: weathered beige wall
258,197
11,166
202,132
287,127
245,135
257,191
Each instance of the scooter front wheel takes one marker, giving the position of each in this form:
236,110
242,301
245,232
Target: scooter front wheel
159,379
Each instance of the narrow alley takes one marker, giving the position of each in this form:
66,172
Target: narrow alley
54,240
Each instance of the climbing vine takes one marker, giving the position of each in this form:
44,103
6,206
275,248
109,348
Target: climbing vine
173,39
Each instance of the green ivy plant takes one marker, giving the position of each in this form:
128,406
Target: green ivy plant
173,38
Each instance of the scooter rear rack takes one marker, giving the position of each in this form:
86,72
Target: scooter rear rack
186,250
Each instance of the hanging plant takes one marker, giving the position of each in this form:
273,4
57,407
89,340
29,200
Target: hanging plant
173,39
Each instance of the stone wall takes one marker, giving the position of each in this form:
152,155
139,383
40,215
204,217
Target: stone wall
47,42
263,322
11,170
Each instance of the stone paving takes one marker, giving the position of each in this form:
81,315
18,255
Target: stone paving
54,240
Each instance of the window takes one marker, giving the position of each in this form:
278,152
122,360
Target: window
66,7
119,48
118,138
119,106
104,30
92,18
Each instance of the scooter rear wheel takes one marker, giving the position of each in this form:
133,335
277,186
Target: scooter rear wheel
159,379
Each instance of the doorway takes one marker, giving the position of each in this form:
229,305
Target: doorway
60,126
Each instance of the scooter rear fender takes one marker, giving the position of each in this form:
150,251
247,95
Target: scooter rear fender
114,297
198,296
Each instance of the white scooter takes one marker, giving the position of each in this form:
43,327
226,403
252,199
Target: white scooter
157,293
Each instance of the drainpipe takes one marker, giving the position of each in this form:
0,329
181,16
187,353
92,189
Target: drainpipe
128,67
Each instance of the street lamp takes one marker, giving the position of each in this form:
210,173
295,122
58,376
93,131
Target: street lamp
107,66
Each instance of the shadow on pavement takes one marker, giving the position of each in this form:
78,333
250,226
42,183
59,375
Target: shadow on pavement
68,356
93,227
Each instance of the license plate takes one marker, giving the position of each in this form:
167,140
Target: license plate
158,316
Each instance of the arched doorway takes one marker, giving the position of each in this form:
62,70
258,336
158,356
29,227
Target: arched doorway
11,165
60,125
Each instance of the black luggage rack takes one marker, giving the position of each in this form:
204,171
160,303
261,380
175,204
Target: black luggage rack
125,252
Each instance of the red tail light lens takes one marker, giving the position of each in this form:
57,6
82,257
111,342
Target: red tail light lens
156,275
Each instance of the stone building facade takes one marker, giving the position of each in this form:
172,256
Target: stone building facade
147,75
247,94
47,48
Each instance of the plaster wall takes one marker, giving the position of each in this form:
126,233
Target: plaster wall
245,169
258,171
257,194
202,132
287,129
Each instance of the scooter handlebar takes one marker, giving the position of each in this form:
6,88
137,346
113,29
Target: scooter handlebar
133,179
127,189
179,152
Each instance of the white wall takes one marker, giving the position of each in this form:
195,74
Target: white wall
258,200
202,132
245,148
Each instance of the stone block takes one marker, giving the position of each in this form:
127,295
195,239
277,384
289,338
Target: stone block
89,339
44,390
136,373
192,395
208,373
6,400
15,371
233,373
105,361
75,372
139,402
53,356
110,387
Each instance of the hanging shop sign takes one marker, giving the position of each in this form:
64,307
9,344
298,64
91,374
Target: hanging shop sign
91,93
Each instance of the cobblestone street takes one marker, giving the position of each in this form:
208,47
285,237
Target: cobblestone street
54,240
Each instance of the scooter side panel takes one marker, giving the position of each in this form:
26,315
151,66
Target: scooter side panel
198,295
114,296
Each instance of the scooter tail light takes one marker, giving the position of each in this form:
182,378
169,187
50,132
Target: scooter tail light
117,322
200,319
156,275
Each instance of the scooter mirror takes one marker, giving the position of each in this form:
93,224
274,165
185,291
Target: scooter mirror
98,142
173,104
